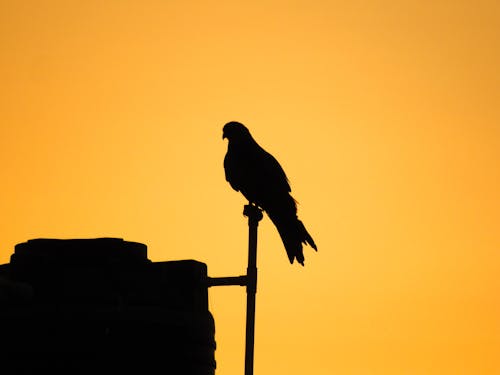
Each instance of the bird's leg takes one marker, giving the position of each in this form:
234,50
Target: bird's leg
252,211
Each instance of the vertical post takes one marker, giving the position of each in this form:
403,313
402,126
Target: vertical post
254,215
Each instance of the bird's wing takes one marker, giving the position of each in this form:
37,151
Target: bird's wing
256,174
271,172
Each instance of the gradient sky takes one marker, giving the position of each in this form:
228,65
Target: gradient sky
384,114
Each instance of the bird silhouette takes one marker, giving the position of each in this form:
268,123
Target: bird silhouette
260,178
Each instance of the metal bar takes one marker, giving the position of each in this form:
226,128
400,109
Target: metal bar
231,280
254,215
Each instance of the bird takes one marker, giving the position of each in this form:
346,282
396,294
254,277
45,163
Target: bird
257,174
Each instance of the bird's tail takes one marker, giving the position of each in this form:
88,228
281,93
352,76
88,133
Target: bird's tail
292,232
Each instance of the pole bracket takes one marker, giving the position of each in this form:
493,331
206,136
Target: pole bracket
231,280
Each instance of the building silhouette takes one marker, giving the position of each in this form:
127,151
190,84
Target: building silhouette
99,306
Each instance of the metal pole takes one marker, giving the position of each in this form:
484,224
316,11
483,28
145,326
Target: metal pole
254,215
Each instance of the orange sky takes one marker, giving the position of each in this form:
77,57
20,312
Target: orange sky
384,114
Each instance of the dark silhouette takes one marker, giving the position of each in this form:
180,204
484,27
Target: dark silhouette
99,306
260,178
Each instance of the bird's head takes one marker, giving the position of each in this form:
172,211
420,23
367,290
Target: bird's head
235,131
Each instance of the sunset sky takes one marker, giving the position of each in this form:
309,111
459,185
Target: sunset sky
384,114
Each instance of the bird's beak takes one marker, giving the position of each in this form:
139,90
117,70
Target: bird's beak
224,135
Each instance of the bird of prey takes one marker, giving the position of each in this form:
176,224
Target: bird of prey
259,177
